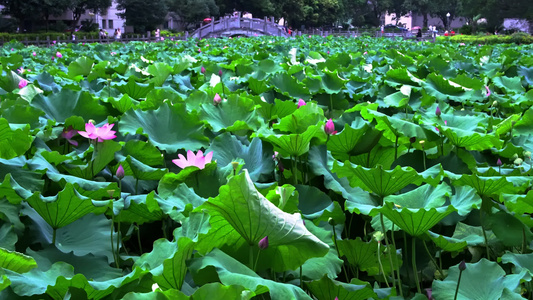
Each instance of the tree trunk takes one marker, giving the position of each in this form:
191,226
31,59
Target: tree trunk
425,24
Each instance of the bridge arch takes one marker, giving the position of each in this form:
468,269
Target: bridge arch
232,26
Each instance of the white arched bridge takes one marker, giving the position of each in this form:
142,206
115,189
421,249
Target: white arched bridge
239,26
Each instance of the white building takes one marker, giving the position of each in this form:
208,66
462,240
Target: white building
411,20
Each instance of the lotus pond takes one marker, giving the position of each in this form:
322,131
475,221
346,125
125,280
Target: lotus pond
266,168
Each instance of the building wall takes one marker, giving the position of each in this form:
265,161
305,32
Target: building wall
411,20
521,24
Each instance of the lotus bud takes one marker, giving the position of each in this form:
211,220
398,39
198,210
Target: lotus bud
488,91
499,162
23,83
220,73
275,156
462,265
438,112
301,103
120,172
494,103
331,221
330,127
263,243
217,99
34,53
378,236
412,139
518,161
527,154
515,156
59,55
202,70
445,123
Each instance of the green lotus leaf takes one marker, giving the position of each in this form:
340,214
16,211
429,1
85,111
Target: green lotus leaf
357,200
465,199
443,89
471,140
364,255
182,130
60,106
520,261
253,217
511,85
520,205
394,127
327,288
4,282
81,66
144,152
415,222
134,89
425,196
288,85
377,180
527,73
237,113
486,186
227,148
174,268
229,271
160,73
140,209
330,82
301,119
66,207
472,235
22,180
141,171
207,291
10,81
13,142
8,237
46,82
402,77
291,144
448,244
482,280
15,261
509,229
36,282
103,155
21,113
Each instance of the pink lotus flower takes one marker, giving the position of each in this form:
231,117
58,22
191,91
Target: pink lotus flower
217,99
120,172
301,103
53,42
198,160
328,52
499,162
21,70
438,112
220,73
98,133
69,134
59,55
12,49
34,53
445,123
23,83
330,127
488,91
113,53
202,70
199,50
365,53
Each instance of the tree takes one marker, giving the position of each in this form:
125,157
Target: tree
29,10
193,11
398,8
79,7
421,7
143,15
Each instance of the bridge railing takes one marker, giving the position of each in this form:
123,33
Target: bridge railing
252,24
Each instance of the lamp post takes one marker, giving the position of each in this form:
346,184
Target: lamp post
448,22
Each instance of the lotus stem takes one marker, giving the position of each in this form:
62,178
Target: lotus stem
330,104
458,282
484,233
398,269
136,186
301,278
54,234
256,259
381,266
413,262
139,239
396,149
118,244
387,244
251,257
112,242
338,253
431,257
